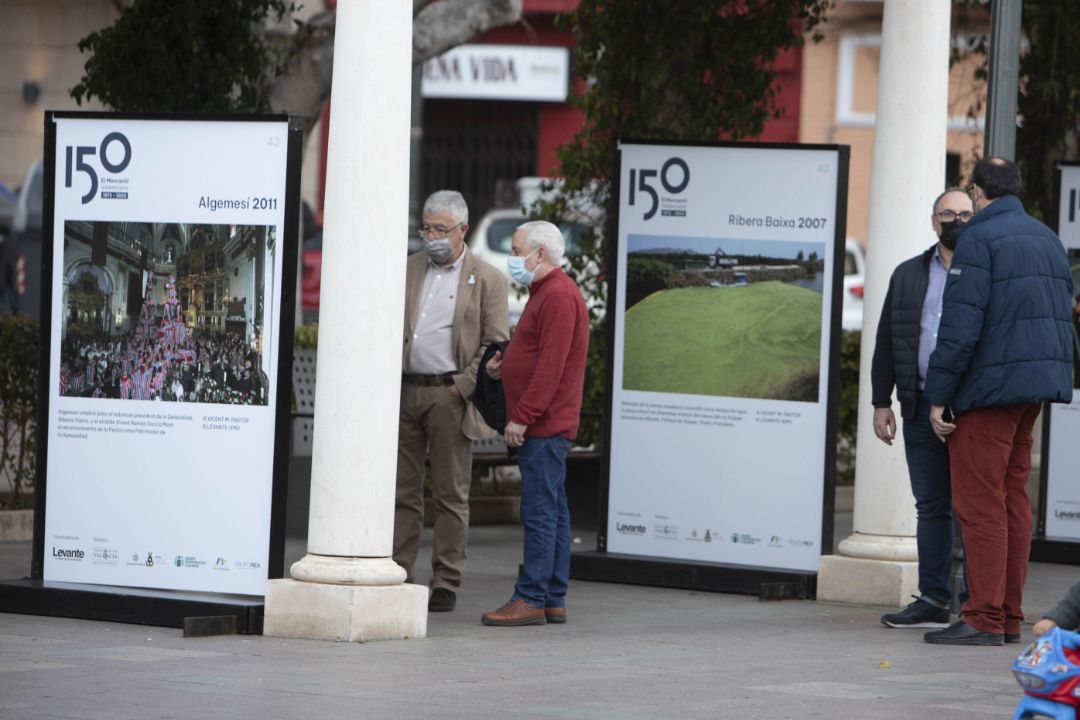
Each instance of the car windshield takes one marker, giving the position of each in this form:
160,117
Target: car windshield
501,233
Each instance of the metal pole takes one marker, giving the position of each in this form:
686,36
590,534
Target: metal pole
1002,87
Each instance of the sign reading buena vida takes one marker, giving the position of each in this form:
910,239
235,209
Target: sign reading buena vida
499,72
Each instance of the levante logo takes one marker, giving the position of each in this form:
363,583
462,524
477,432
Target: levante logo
67,553
113,156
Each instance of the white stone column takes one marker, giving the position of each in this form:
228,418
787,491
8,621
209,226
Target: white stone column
877,564
347,587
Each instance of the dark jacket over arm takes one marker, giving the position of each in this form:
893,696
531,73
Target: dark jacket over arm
488,395
896,347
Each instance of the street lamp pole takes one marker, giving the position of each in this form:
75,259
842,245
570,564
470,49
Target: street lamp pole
999,139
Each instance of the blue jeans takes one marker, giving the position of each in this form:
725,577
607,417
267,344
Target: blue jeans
545,573
928,467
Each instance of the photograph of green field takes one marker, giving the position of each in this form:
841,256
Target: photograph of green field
762,340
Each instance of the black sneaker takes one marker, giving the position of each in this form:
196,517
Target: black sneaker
960,633
441,600
919,614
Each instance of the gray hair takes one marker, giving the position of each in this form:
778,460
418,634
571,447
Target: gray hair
541,233
449,201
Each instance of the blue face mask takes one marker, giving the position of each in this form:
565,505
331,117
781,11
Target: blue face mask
516,266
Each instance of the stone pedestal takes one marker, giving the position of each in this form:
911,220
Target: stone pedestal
878,563
347,587
871,570
867,582
349,613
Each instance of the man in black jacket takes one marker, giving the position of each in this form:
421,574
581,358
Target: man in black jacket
906,335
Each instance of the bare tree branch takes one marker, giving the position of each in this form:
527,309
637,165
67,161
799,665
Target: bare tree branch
305,86
437,27
442,25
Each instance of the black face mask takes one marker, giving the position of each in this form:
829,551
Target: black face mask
948,233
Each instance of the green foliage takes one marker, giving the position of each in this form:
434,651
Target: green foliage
680,69
593,401
306,337
184,57
1048,106
1049,100
850,346
18,406
644,276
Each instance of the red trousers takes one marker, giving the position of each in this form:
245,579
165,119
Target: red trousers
989,460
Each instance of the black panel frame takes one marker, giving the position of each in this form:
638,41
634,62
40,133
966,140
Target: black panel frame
153,606
1044,548
604,566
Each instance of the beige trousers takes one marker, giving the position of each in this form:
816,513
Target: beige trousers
430,426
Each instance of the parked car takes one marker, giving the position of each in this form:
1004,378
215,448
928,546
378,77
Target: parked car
311,280
8,198
854,272
22,247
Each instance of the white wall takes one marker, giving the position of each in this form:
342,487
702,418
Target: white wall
39,43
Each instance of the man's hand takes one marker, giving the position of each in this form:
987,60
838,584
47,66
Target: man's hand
1044,626
494,366
884,425
942,428
515,434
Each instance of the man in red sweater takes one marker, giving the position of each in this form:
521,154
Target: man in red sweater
543,374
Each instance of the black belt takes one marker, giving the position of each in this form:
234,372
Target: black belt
427,380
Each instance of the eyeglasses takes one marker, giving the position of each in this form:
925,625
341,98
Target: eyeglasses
949,215
435,231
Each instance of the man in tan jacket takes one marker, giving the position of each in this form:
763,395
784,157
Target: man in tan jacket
455,306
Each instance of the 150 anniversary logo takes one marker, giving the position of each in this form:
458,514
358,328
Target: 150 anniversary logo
79,159
674,177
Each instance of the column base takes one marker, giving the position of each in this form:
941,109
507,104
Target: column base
889,583
345,613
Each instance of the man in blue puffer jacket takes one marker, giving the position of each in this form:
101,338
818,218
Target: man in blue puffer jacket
1004,346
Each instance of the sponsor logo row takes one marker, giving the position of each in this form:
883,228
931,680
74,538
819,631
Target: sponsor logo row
65,551
668,531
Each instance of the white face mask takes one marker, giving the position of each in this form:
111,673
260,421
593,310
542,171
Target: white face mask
515,264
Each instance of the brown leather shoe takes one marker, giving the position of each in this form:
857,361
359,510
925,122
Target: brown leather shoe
515,612
555,615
